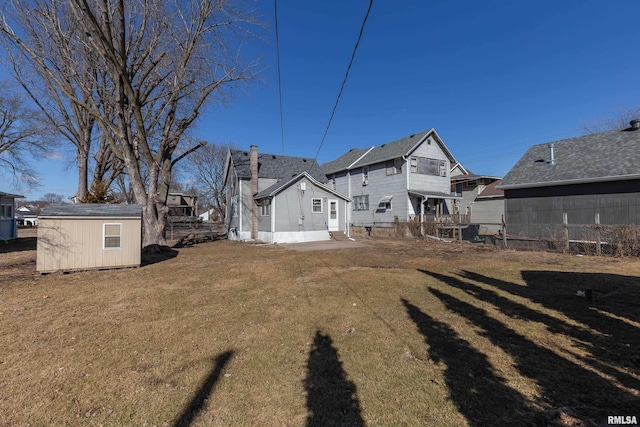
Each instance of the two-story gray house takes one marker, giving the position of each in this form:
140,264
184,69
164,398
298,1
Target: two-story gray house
409,179
280,199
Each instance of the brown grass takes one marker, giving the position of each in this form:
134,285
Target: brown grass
398,333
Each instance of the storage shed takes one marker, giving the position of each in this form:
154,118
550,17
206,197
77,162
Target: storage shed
8,228
89,236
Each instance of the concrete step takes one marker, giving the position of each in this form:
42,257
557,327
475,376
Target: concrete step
338,235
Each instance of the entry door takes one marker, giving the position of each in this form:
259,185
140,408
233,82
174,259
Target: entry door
334,221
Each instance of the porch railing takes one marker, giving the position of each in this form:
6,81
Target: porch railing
443,219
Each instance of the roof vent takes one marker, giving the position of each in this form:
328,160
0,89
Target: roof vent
273,157
304,160
635,124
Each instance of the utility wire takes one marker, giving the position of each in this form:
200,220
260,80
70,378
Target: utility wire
345,78
275,12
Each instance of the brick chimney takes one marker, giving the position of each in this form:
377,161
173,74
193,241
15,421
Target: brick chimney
253,166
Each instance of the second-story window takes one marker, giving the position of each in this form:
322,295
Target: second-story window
394,166
425,166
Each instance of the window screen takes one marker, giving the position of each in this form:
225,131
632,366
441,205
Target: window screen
112,235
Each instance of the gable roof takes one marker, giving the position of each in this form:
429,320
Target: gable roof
93,210
275,167
605,156
389,151
283,184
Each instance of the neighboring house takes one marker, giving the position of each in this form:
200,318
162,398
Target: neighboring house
88,236
8,223
582,177
26,217
210,215
481,200
279,199
182,205
408,179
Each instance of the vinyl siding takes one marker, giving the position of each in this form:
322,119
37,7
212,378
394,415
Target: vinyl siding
293,205
77,244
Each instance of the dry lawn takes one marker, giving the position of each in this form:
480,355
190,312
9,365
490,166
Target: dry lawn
398,333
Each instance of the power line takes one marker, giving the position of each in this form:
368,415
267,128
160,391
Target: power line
275,12
345,78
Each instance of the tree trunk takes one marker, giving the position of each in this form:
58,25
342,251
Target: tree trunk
83,174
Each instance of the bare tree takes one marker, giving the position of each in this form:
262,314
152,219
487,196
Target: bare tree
21,134
620,120
206,167
60,74
53,198
162,61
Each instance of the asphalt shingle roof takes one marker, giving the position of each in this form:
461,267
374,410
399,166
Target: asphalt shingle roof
276,167
392,150
602,156
95,210
344,161
382,153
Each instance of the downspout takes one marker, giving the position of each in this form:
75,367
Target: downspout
273,219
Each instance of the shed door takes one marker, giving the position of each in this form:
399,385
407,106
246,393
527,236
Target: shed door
334,222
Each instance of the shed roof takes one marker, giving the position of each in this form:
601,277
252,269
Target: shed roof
14,196
275,166
605,156
92,210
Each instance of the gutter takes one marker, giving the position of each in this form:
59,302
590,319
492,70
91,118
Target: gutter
568,182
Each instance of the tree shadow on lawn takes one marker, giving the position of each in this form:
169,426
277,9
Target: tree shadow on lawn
20,244
480,394
166,253
331,398
609,339
563,384
199,400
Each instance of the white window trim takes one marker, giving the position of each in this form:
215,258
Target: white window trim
104,236
313,205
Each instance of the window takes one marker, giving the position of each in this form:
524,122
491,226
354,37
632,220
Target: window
394,166
365,175
425,166
112,236
385,204
265,207
361,203
6,211
316,205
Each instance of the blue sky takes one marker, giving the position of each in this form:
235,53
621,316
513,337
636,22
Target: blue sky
492,77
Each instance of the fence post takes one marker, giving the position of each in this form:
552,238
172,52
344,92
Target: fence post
598,237
504,233
565,225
